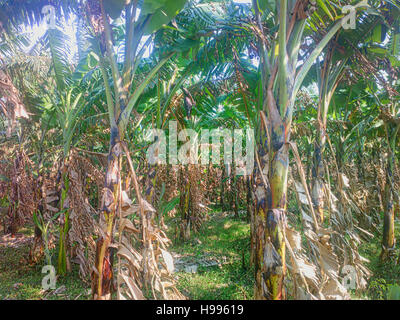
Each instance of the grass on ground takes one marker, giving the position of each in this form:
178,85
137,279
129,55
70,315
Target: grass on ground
221,238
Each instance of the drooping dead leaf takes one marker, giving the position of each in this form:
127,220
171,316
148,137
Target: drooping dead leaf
169,261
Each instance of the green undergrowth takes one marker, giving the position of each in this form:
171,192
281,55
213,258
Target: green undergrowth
223,239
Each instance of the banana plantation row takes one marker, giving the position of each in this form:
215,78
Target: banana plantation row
82,83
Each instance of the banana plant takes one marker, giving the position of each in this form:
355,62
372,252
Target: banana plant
384,50
339,54
281,78
389,114
44,227
141,18
329,76
68,105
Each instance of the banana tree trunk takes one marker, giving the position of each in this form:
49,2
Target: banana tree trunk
389,241
274,256
317,191
222,195
63,261
270,212
150,186
247,184
102,276
271,197
184,204
236,192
